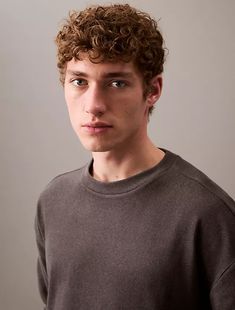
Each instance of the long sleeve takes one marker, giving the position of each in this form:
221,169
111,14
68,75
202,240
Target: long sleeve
222,295
217,240
41,262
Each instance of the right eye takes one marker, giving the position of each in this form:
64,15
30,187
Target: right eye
79,82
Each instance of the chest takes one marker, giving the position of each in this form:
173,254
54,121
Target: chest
123,241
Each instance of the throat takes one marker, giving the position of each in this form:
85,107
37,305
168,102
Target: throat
109,170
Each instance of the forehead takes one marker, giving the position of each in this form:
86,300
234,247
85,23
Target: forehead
101,69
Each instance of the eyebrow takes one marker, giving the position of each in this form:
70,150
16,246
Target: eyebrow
105,75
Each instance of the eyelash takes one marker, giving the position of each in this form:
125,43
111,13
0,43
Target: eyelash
84,83
81,80
123,83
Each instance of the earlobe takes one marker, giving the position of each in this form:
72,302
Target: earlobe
156,90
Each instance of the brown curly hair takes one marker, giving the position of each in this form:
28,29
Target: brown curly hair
113,33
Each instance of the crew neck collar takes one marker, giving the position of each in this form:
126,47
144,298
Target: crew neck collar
129,184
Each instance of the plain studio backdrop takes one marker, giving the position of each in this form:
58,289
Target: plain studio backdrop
194,117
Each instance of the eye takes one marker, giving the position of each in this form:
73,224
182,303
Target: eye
118,84
79,82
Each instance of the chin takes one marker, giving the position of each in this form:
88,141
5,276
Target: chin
96,147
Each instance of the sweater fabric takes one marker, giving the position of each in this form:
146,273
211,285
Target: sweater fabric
163,239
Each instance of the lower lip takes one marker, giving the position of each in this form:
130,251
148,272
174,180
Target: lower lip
95,130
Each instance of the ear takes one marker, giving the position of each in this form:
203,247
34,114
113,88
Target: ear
155,90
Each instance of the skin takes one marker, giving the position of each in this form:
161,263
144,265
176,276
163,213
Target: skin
110,115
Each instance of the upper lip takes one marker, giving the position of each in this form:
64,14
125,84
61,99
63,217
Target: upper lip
96,124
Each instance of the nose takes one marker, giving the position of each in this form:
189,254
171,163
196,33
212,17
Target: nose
95,102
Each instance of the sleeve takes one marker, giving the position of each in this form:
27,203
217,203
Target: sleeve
218,255
41,261
223,292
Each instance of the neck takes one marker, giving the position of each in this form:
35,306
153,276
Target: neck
112,166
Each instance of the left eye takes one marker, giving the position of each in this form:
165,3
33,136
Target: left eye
79,82
118,84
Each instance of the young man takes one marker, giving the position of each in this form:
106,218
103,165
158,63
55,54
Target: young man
138,227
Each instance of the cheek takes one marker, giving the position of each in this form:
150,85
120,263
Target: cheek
71,97
74,114
135,108
73,105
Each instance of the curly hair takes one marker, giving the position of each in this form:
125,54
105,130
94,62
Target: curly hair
112,33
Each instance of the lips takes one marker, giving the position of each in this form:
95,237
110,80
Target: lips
96,127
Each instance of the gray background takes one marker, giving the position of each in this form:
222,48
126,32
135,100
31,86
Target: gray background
195,116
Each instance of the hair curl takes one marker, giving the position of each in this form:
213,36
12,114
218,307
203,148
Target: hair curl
112,33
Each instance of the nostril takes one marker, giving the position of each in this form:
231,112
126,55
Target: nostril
100,113
95,113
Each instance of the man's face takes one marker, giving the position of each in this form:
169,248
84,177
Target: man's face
106,105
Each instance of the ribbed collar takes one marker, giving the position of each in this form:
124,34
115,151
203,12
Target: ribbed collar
131,183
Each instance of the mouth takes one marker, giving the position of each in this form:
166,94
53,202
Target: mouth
96,127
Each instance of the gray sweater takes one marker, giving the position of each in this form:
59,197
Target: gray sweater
163,239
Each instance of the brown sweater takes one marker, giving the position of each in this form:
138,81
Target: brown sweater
163,239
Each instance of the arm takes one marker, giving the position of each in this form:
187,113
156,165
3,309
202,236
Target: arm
223,292
217,244
41,262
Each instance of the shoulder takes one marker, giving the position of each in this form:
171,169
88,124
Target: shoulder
190,193
199,185
206,212
62,185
